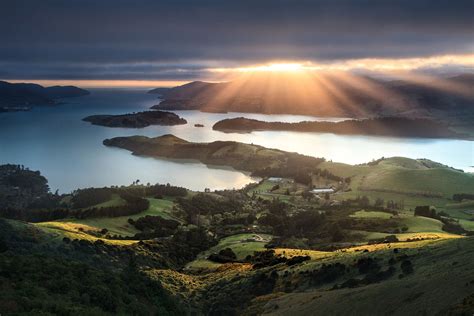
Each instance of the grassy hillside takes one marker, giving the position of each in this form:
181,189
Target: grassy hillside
114,225
291,251
120,226
437,267
415,182
242,245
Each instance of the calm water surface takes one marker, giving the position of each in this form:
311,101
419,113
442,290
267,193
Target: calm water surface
69,152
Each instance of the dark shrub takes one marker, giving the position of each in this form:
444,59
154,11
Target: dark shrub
406,266
224,256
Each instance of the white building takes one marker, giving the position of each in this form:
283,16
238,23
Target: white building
322,190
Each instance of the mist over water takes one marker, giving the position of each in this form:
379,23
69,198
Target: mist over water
69,152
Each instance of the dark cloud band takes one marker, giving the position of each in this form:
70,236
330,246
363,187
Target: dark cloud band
69,36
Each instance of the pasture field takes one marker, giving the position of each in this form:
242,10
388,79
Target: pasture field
371,214
415,182
241,244
71,230
119,225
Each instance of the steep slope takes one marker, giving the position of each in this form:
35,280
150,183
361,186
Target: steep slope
437,268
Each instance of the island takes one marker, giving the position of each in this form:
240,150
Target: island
198,125
16,97
383,126
137,120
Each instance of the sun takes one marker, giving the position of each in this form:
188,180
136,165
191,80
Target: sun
274,67
282,67
271,67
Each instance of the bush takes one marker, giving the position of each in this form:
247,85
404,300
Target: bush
366,265
134,205
91,196
224,256
406,266
327,273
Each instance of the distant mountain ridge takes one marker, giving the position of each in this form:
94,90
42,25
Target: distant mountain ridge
325,95
28,94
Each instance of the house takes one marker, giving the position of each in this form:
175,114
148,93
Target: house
322,190
279,180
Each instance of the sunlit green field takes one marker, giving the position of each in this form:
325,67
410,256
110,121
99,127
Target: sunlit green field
242,245
400,179
119,225
371,214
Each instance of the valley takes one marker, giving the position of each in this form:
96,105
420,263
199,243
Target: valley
395,228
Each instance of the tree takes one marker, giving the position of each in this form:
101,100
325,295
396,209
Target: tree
407,267
3,245
336,233
307,195
379,202
364,201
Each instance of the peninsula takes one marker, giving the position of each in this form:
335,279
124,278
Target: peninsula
247,157
384,126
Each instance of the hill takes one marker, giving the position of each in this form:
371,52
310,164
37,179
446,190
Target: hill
412,181
159,91
28,94
385,126
324,94
438,267
402,180
248,157
403,278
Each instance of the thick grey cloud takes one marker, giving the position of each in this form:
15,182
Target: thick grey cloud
144,39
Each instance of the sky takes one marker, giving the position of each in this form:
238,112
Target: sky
166,42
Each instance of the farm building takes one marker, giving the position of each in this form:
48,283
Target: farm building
322,190
279,180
